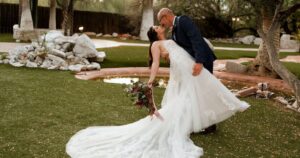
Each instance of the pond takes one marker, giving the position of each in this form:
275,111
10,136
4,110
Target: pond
160,82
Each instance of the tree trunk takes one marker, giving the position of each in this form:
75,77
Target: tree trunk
34,10
70,17
52,18
26,18
20,12
261,64
65,21
147,19
68,11
282,71
270,41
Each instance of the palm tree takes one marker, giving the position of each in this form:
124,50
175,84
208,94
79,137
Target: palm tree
67,12
26,18
147,18
52,18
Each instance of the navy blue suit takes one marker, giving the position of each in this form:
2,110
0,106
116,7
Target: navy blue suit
186,34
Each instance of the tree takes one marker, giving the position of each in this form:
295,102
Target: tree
26,18
68,13
214,17
147,18
265,11
52,17
270,36
34,10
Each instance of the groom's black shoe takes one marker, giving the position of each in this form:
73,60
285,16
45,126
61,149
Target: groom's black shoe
209,129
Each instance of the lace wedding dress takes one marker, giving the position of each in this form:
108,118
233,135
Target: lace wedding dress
189,105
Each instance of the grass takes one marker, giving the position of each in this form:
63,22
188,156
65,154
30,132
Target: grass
138,56
292,67
216,44
42,109
120,40
234,45
6,37
126,56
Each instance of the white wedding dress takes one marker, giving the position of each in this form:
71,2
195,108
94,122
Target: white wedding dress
190,104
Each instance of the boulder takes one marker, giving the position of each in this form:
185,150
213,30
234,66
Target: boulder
31,56
99,35
38,60
52,35
31,64
56,61
125,35
5,61
15,54
75,35
257,41
100,56
115,34
93,66
46,63
57,46
295,105
57,53
246,92
281,100
287,43
235,67
248,39
107,36
65,39
90,34
77,67
67,47
16,64
84,47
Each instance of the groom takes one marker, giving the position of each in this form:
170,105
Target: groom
186,34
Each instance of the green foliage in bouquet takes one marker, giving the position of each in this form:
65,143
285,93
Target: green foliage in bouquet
141,95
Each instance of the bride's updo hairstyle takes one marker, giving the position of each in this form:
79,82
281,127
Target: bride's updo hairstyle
152,35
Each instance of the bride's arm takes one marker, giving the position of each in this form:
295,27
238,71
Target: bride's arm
155,50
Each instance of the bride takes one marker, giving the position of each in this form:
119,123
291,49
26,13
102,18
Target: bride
190,104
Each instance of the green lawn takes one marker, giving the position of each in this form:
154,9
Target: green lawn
234,45
120,40
42,109
138,56
126,56
6,37
216,44
293,67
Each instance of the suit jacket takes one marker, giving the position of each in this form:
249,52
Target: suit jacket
186,34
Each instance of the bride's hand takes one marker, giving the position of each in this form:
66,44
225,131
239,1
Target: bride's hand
197,69
150,84
157,114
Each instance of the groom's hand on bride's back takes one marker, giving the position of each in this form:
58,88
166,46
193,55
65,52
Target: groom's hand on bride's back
197,69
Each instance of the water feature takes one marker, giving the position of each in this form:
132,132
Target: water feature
160,82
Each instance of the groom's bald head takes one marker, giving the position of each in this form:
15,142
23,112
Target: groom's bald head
165,16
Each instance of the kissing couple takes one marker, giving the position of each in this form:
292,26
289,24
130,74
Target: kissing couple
194,101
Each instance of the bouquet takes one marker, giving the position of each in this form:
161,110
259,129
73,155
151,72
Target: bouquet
142,96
